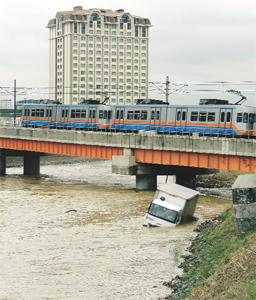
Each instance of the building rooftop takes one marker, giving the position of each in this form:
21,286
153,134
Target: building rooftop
79,11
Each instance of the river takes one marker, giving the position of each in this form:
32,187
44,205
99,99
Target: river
76,233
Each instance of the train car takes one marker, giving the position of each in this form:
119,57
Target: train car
67,116
210,119
202,119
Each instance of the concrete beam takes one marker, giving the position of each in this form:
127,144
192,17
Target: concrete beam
142,140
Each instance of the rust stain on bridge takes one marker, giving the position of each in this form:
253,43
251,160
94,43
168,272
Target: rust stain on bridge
200,160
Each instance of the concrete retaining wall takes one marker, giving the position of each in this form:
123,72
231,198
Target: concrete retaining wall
244,203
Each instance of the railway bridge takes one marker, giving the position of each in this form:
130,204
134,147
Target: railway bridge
142,154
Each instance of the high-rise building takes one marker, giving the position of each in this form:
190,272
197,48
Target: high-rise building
98,53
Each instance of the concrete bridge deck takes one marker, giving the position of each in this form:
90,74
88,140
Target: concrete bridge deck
128,150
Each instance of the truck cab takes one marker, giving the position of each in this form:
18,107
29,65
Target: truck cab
172,204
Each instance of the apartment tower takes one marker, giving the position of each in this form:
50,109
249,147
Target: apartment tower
98,54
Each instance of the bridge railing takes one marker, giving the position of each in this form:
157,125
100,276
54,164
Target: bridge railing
10,122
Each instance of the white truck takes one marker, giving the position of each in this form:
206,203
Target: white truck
172,204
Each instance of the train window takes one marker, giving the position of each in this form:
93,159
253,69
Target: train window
252,118
130,115
93,114
194,116
183,116
202,116
137,115
158,115
38,112
152,115
25,112
83,114
239,118
41,113
228,117
33,113
144,115
117,114
109,114
78,114
245,118
178,115
101,114
73,113
63,113
28,113
211,117
222,117
105,114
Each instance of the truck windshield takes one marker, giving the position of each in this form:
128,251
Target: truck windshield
163,213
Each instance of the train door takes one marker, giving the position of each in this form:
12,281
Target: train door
181,119
64,116
154,118
26,115
119,117
50,116
92,117
225,120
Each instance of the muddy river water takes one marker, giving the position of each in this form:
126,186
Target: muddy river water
76,233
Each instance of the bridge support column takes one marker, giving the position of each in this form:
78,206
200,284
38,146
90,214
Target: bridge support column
186,180
32,164
146,182
244,203
2,164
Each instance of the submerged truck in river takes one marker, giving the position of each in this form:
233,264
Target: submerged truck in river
173,204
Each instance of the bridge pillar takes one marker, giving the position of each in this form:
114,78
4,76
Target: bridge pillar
244,203
188,181
32,164
146,182
2,164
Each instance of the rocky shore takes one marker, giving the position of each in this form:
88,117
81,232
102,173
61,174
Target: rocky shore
179,284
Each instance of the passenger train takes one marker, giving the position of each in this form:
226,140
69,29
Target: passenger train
210,117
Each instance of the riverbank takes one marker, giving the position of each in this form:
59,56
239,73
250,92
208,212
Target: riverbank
219,266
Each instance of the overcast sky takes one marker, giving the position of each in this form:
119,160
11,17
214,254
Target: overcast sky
190,40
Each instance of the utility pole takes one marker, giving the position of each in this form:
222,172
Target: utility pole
167,89
164,91
14,96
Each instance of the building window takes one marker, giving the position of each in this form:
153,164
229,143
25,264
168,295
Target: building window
136,31
127,20
75,27
83,27
95,17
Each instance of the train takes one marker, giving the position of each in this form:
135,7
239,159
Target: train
209,117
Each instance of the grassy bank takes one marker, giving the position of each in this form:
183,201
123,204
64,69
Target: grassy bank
220,266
